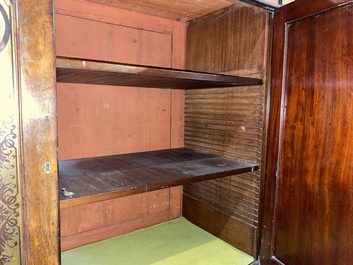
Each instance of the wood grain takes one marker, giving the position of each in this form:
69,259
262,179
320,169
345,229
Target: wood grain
37,97
227,228
101,178
229,121
82,71
113,120
316,149
85,224
118,120
182,10
98,12
310,129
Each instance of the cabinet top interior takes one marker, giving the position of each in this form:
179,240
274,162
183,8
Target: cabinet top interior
183,10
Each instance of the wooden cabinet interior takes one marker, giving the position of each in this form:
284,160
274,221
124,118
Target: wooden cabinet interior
122,175
88,83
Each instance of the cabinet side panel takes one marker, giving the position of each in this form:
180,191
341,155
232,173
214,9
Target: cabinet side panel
228,121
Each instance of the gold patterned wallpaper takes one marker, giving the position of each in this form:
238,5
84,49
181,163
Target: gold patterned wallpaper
10,200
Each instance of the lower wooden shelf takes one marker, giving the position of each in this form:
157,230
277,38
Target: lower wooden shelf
96,179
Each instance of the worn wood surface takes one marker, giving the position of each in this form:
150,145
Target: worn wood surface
309,221
181,10
37,97
100,178
229,121
82,71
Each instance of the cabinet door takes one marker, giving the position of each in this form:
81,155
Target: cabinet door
313,203
37,160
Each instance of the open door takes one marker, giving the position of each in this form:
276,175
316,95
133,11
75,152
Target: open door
309,204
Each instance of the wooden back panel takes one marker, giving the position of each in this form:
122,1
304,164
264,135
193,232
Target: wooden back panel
102,120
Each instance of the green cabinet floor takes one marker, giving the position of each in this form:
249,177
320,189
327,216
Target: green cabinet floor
176,242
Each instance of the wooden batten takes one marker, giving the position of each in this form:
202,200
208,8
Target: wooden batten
228,121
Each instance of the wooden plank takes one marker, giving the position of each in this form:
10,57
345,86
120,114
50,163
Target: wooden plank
98,12
80,71
85,224
97,40
113,120
182,10
94,179
38,148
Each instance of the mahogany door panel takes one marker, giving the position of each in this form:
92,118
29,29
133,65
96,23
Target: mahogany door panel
313,221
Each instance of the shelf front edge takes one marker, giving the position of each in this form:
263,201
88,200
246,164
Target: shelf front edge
72,70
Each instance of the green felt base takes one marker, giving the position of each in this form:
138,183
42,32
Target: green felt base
176,242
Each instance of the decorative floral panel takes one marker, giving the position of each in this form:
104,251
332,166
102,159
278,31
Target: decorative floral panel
10,200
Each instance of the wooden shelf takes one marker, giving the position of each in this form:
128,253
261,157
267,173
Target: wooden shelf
102,178
70,70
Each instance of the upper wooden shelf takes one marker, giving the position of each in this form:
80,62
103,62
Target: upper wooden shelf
71,70
103,178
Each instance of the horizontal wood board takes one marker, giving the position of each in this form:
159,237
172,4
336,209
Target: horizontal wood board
100,178
182,10
85,224
70,70
228,121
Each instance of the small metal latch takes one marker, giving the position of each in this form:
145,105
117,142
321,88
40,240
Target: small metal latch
67,193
